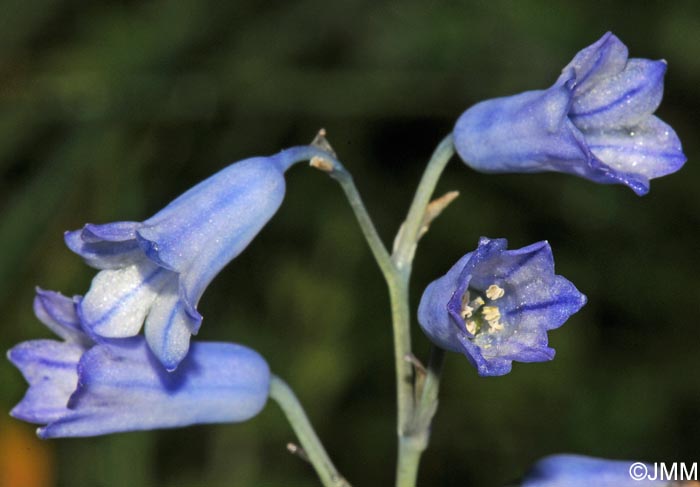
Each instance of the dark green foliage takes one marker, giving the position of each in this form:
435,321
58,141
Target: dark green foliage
110,110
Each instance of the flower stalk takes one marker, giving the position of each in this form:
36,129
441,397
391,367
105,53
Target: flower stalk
412,434
413,437
283,395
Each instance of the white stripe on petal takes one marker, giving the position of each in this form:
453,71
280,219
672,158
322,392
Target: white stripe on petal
652,148
119,300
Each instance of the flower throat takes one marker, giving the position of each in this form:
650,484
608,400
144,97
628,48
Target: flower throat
481,314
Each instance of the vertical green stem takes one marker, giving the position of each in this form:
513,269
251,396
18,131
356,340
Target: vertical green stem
281,393
413,434
413,420
401,321
398,291
405,246
410,450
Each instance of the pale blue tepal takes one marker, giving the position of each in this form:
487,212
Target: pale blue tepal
156,271
582,471
81,388
595,122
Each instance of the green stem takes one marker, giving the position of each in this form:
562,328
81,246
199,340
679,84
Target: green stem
406,243
344,178
413,444
410,450
412,432
401,322
398,291
413,435
281,393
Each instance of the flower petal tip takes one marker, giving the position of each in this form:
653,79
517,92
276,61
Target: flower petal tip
595,122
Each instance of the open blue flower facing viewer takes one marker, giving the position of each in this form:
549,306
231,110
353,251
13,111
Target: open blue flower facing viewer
496,305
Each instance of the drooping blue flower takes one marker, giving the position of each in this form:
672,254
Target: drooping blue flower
156,271
581,471
595,122
80,388
496,305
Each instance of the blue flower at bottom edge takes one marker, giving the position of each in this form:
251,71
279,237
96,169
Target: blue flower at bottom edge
595,122
79,388
156,271
496,305
581,471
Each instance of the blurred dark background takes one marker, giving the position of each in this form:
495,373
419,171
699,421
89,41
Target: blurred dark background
110,110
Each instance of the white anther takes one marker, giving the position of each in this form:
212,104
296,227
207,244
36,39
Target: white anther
494,292
471,326
495,325
491,313
468,307
467,312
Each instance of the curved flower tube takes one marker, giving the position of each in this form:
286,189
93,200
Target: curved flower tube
581,471
79,388
496,305
595,122
156,270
